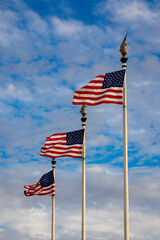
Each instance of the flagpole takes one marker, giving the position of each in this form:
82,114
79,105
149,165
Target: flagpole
125,143
53,203
83,119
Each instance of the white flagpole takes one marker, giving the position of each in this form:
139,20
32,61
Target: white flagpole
83,119
125,143
53,203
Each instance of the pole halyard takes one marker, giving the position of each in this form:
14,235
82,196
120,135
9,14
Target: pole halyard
83,119
124,52
53,203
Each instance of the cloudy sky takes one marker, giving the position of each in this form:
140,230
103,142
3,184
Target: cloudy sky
49,49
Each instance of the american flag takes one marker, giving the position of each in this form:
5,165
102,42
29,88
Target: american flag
106,88
45,186
68,144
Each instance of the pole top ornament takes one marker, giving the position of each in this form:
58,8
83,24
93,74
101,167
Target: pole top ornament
122,49
53,162
83,111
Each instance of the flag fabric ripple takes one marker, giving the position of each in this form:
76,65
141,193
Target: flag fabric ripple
105,88
45,186
68,144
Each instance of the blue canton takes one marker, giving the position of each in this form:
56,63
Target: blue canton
47,179
75,137
114,79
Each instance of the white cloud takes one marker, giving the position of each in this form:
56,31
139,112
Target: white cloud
144,225
134,11
9,32
36,23
76,30
16,92
137,11
21,221
67,28
100,140
139,18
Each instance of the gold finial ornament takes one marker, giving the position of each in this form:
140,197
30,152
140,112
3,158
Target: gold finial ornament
83,111
122,49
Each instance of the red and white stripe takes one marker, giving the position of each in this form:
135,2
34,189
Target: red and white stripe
55,146
92,94
36,189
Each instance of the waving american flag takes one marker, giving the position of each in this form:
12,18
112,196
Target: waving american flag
45,186
68,144
105,88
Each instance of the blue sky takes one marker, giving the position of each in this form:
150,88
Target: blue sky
49,49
